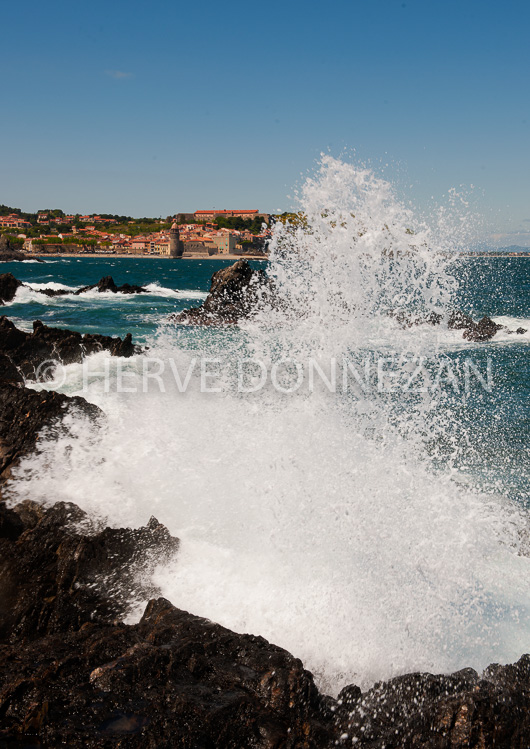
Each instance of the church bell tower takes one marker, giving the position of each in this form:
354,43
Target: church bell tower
175,245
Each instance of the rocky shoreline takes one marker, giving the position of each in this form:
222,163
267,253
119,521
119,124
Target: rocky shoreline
74,673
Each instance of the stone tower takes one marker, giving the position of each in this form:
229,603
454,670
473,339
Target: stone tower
175,245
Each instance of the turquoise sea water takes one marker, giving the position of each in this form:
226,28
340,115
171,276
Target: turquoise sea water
174,285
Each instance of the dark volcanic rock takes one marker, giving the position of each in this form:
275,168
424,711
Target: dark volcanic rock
409,320
59,572
459,321
23,415
235,293
458,711
8,287
483,330
71,675
22,354
477,332
107,284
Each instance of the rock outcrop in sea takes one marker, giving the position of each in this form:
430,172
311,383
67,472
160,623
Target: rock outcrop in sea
476,332
9,286
10,252
235,293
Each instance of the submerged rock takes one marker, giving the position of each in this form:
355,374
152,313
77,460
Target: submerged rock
23,355
483,330
235,293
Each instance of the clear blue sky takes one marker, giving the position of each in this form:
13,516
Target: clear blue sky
152,108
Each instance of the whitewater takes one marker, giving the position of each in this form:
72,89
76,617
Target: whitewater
342,526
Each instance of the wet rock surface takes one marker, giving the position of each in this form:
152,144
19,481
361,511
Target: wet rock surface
24,413
483,330
441,712
9,286
476,332
235,294
22,354
73,674
107,284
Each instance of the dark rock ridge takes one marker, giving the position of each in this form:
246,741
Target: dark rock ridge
477,332
72,674
441,712
59,571
103,285
22,354
107,284
235,293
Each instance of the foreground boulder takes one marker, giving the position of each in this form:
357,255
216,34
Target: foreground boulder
22,355
235,293
24,413
58,571
72,674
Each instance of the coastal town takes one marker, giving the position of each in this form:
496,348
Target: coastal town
204,233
